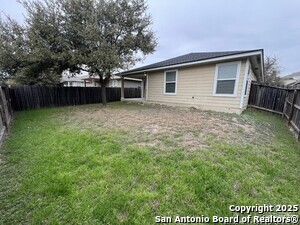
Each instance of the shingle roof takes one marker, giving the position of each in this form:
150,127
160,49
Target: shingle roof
188,58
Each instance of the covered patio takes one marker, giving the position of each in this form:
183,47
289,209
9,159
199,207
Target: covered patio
143,78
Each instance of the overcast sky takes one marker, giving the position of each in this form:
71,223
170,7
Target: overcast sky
185,26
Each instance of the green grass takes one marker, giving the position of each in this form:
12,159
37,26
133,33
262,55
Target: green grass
52,174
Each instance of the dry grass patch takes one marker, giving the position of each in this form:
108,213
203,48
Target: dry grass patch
162,126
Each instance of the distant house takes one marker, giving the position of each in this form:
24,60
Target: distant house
72,81
218,81
87,81
291,80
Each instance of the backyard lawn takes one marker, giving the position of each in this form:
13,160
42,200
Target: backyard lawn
127,163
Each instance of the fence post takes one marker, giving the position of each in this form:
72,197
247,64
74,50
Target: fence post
292,107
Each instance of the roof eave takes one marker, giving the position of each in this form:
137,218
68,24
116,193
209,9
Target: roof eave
235,56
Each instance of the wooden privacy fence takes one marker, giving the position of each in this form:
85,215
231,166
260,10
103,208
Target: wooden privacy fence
5,111
267,98
283,101
31,97
292,110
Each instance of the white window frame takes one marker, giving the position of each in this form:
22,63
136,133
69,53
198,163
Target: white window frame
165,82
237,77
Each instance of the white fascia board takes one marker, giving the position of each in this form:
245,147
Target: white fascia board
199,62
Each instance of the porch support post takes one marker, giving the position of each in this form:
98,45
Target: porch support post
84,83
142,88
147,87
122,89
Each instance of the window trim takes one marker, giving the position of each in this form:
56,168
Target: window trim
237,78
165,82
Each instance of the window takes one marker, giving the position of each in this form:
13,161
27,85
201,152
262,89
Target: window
247,81
226,79
170,82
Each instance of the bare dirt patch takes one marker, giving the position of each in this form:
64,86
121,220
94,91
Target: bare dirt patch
158,126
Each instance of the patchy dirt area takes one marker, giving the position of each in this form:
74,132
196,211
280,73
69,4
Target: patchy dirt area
159,126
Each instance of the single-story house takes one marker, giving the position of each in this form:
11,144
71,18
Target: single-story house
291,80
90,81
218,81
294,85
68,81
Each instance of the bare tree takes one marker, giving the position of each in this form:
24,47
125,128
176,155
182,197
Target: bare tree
272,71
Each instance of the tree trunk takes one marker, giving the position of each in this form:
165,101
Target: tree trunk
103,83
103,93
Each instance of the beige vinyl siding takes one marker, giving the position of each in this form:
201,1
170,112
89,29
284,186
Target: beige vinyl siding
246,97
195,86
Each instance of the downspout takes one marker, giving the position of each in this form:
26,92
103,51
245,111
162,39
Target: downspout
262,66
244,83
